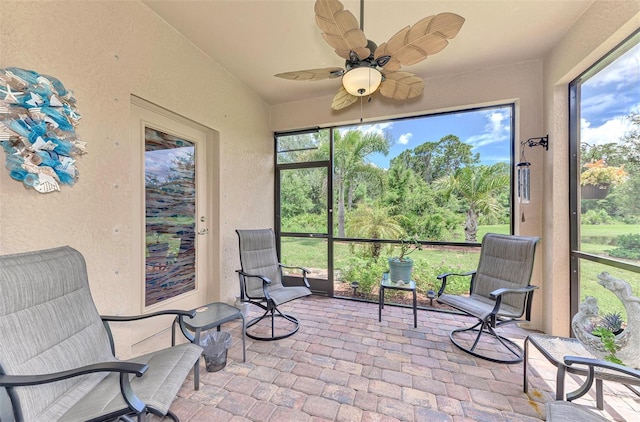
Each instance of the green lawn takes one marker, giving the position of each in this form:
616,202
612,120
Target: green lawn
432,261
598,239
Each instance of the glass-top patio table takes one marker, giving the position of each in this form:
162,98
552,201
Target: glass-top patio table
207,317
554,349
409,286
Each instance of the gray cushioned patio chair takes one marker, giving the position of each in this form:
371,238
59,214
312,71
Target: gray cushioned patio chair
56,353
500,293
566,411
261,280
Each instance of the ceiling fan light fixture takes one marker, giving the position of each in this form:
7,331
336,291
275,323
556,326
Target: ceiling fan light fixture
362,81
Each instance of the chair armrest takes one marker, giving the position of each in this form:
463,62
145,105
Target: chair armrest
499,292
265,282
261,277
124,368
497,295
176,312
116,318
444,276
24,380
304,273
303,269
592,363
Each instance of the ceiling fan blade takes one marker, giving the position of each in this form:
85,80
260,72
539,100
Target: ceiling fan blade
312,74
343,99
413,44
401,85
340,29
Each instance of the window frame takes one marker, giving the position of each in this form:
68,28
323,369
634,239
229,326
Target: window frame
574,175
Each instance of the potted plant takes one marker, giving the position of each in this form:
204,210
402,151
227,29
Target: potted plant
401,266
598,177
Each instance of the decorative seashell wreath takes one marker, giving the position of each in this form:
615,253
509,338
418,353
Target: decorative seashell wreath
38,117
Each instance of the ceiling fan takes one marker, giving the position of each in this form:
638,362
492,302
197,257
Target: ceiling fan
369,67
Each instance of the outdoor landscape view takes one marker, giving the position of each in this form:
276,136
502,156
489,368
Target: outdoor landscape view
446,179
436,184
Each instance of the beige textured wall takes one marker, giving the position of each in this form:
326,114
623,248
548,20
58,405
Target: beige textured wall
600,29
105,51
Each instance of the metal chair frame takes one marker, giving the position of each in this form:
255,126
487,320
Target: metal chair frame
495,318
267,301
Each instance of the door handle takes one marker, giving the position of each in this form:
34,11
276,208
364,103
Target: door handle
202,232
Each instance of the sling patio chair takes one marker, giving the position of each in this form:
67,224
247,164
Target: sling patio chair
563,411
261,281
500,293
57,359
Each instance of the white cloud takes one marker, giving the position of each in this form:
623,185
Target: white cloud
624,70
495,130
611,131
598,104
377,128
405,138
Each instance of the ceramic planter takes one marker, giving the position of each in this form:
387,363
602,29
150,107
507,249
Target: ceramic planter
400,270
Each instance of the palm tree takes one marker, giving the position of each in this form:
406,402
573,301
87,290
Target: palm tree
369,222
479,187
350,161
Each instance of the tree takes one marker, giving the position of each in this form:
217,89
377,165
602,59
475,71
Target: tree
480,188
351,151
369,222
433,160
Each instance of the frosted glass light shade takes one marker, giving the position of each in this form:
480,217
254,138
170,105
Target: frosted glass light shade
361,81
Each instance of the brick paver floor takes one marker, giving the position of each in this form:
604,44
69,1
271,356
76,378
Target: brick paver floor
344,365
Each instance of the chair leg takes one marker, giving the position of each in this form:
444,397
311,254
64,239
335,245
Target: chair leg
485,327
275,312
273,330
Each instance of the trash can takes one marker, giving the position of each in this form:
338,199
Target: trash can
215,345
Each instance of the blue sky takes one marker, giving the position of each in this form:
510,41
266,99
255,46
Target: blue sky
487,130
607,99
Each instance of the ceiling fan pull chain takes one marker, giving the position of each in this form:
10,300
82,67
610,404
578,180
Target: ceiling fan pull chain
360,109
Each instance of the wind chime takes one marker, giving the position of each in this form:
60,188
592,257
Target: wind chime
523,171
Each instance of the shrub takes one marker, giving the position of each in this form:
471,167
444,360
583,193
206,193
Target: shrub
305,223
596,217
425,275
364,270
628,247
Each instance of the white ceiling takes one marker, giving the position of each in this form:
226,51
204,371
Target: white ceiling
255,39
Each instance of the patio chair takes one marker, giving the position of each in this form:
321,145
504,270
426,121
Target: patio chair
57,360
499,294
261,280
562,411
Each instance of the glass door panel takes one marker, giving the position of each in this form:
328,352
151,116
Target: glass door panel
304,224
310,253
303,200
170,216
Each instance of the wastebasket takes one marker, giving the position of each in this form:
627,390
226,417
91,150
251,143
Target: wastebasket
215,345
